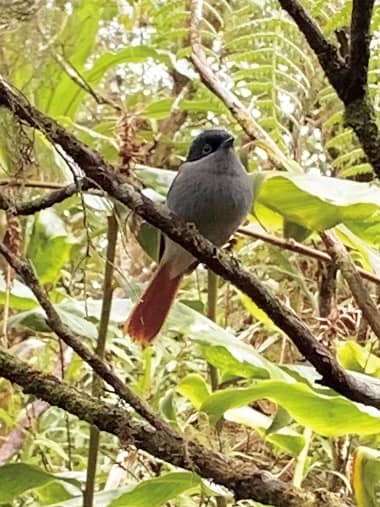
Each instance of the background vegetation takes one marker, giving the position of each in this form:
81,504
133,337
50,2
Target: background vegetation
120,77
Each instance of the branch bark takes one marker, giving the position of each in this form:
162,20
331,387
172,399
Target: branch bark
25,271
349,81
334,66
294,246
352,277
186,235
360,49
233,473
45,201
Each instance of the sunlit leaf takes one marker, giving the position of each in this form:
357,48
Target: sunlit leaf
327,415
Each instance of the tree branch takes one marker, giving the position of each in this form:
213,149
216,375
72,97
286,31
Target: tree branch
360,49
45,201
232,473
351,275
359,111
220,262
25,271
334,66
294,246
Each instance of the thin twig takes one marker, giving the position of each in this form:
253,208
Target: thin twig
45,201
354,280
25,271
12,182
97,385
294,246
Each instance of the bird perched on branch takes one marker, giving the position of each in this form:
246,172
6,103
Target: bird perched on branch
211,190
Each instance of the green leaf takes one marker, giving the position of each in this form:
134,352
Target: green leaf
49,246
356,358
167,407
285,439
220,348
327,415
149,238
70,314
16,478
314,202
295,231
132,54
258,313
21,297
158,491
366,476
159,109
159,179
194,388
57,491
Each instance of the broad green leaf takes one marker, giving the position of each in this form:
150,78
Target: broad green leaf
167,406
326,415
295,231
357,358
101,499
257,312
194,388
70,314
314,202
156,492
21,297
366,476
57,491
16,478
368,229
284,438
221,348
49,246
159,179
149,238
230,363
368,256
158,109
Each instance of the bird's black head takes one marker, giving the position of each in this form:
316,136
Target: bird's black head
208,142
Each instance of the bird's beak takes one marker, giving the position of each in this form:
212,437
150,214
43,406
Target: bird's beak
228,143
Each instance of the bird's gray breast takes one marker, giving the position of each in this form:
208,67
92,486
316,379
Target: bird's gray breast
214,196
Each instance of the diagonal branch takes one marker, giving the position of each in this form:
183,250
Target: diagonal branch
45,201
344,262
232,473
293,246
359,110
360,49
25,271
220,262
327,54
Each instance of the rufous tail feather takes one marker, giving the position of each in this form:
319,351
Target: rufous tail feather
148,316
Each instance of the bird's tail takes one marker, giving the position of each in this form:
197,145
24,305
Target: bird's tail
149,314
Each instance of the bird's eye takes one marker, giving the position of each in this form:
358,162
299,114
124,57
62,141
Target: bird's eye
206,149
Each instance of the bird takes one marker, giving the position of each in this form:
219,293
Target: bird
211,190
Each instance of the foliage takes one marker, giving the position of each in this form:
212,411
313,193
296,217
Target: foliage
117,74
